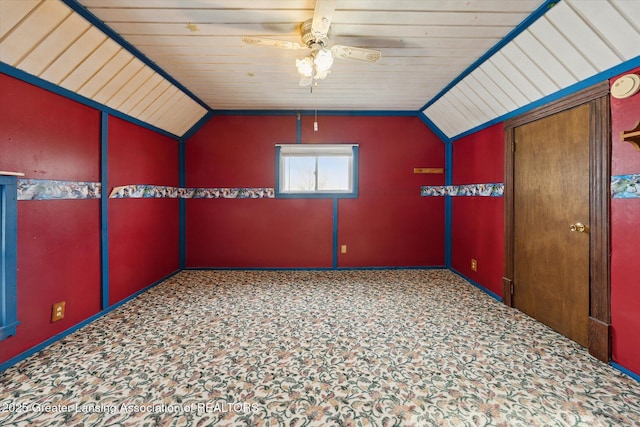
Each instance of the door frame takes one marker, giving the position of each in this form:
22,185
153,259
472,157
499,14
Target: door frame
599,199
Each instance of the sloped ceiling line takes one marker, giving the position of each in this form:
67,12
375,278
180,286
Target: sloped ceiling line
571,43
50,40
142,58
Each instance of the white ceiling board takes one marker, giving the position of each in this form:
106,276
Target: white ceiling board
610,25
164,103
142,105
141,94
583,37
493,107
49,40
577,64
573,41
54,45
133,85
13,11
32,30
529,71
554,69
96,59
483,109
405,5
118,81
425,45
105,74
513,78
73,55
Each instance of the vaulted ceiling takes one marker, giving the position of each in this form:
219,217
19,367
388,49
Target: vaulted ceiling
461,62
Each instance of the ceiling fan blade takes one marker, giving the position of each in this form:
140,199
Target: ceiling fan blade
356,53
322,16
281,44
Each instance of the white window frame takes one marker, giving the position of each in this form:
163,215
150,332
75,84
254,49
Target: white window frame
317,150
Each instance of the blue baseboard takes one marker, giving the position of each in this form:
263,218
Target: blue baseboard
478,285
424,267
20,357
625,371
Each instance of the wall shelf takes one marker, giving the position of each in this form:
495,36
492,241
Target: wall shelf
428,170
632,136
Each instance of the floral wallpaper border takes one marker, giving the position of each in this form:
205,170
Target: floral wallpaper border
46,189
622,187
140,191
625,186
493,190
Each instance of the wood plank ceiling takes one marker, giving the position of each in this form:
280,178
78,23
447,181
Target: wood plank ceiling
573,41
197,47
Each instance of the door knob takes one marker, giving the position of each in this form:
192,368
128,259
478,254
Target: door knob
578,227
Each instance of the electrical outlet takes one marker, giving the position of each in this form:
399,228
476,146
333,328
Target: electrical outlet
474,264
57,311
343,249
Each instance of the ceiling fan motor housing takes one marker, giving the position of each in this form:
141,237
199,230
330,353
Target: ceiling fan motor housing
308,38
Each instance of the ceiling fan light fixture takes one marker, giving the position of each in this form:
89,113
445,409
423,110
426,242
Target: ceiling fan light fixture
305,66
323,60
315,37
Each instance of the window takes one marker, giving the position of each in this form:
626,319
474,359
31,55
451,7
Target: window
8,242
317,170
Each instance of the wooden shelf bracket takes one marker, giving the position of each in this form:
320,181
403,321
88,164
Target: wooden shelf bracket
632,136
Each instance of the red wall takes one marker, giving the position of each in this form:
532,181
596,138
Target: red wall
389,224
478,222
47,136
379,227
238,151
625,239
143,233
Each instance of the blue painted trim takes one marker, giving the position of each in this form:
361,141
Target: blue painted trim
535,15
334,262
20,357
478,285
43,84
255,112
625,371
318,195
98,23
299,129
448,204
424,267
400,113
433,127
277,170
182,205
104,208
196,127
8,256
605,75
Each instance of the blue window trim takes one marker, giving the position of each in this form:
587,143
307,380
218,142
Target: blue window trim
320,195
8,255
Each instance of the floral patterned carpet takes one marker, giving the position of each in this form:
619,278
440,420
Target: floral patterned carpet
316,348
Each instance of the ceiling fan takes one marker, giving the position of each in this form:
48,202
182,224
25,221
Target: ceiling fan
314,32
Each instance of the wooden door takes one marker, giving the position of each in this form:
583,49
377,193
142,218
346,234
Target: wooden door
551,193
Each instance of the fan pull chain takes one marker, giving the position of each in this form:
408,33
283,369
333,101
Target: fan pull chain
315,115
